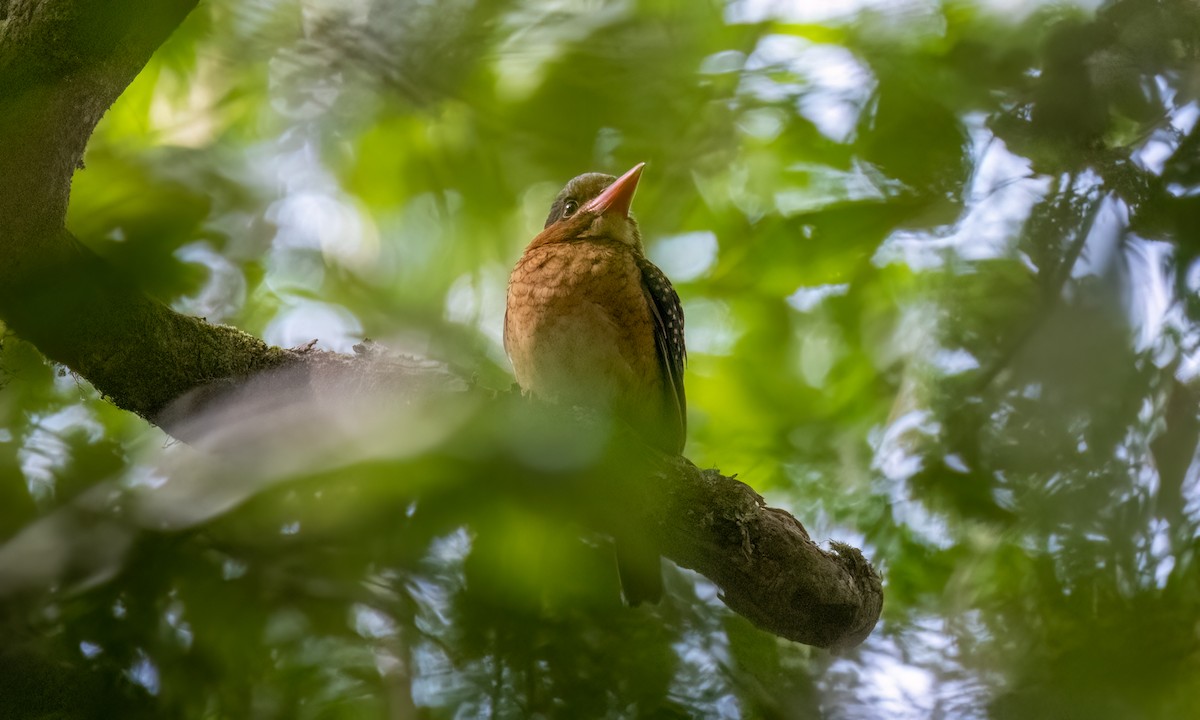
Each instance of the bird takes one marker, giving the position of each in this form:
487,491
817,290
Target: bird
590,321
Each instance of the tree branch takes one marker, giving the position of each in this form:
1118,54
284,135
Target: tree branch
62,64
762,558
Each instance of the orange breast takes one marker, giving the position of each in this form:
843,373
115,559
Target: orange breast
579,330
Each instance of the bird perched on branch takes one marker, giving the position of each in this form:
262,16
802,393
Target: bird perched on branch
590,321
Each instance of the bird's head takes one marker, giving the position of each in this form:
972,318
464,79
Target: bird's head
595,205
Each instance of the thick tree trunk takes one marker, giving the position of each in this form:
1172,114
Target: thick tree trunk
62,64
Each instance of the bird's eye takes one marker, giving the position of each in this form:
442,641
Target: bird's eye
569,208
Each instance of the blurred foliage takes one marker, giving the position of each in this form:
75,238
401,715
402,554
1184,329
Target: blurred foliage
940,268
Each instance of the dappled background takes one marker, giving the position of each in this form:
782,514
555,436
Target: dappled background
938,262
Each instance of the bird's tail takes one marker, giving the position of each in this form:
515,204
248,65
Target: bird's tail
641,573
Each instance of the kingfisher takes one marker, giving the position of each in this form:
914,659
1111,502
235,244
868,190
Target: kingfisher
591,321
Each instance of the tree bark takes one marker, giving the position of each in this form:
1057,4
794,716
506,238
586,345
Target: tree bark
62,64
768,568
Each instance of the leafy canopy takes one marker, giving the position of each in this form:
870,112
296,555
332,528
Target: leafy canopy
938,262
